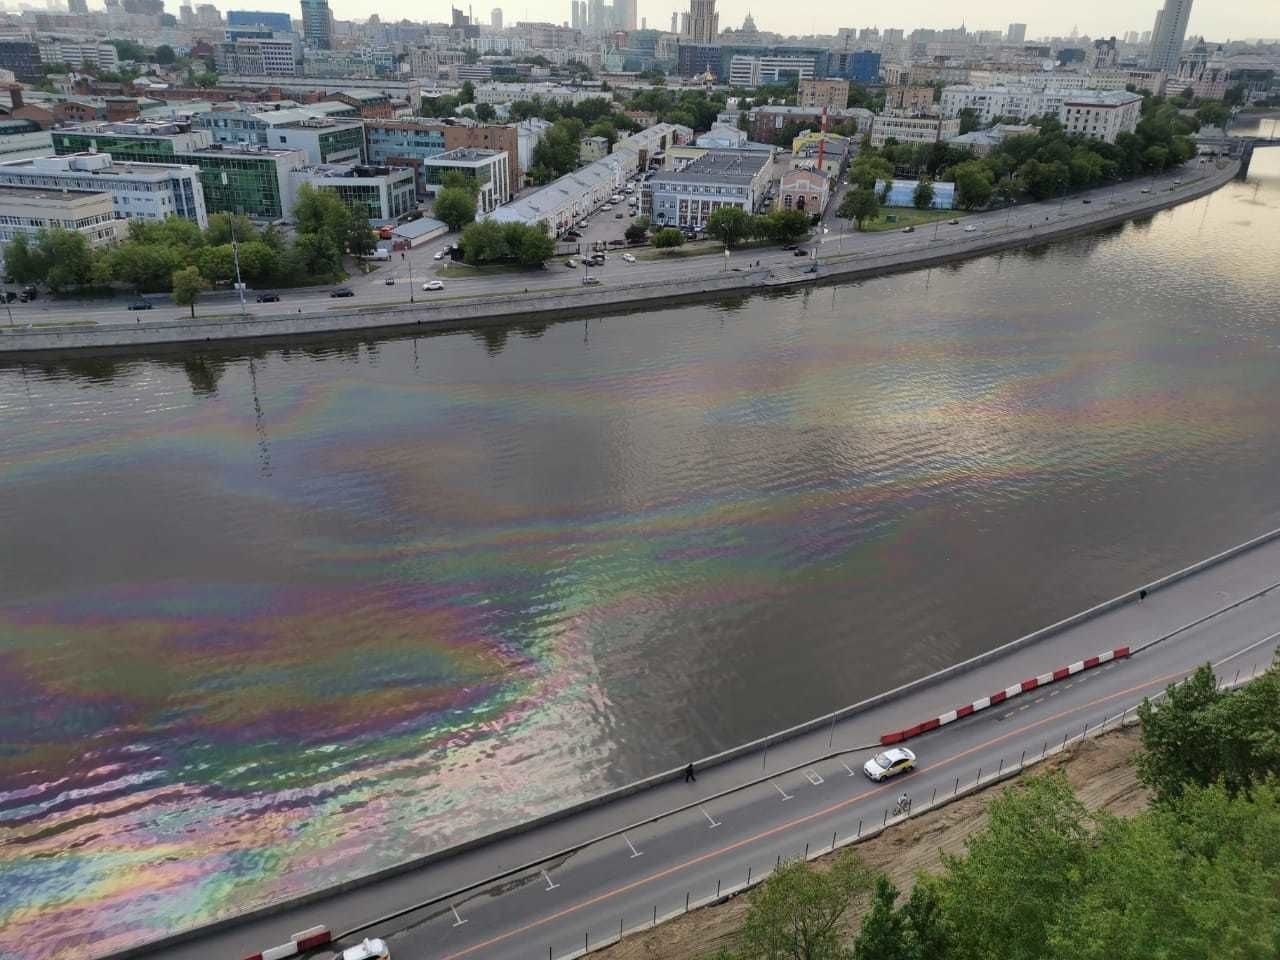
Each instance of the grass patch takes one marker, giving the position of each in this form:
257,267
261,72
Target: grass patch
909,217
460,270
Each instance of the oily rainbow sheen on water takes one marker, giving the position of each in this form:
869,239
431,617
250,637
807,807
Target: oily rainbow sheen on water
425,664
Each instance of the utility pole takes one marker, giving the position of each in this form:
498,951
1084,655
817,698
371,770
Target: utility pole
235,253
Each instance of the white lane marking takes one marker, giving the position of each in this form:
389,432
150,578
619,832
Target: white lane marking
457,920
846,766
1037,699
785,795
1054,693
814,777
634,852
714,823
550,885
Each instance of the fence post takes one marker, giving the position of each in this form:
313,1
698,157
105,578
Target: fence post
717,888
764,758
686,901
806,851
833,840
1001,769
620,919
748,876
957,787
1023,762
935,797
655,914
832,735
1064,740
1043,749
1237,679
886,817
859,828
979,780
586,942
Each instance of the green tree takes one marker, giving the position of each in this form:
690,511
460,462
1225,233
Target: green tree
729,225
455,207
923,195
883,934
784,226
797,914
668,237
635,233
1155,157
217,264
557,153
457,180
68,260
969,120
927,926
1004,894
535,246
468,93
322,214
1213,113
259,263
485,112
23,262
869,168
316,257
145,267
225,227
188,284
165,54
973,181
859,205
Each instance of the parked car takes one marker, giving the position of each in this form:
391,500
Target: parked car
369,949
908,229
439,255
268,298
617,216
892,762
25,297
342,292
389,282
1086,200
953,222
571,263
628,258
800,253
1145,190
10,296
140,305
971,229
29,292
433,285
591,281
790,246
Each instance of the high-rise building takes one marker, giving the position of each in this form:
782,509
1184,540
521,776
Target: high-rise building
495,18
1168,34
703,23
624,14
675,22
79,7
1017,32
268,19
317,24
575,15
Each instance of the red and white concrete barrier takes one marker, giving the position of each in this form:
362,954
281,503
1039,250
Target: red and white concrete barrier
300,943
1002,695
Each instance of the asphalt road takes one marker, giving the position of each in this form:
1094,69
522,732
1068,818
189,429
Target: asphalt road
626,880
835,239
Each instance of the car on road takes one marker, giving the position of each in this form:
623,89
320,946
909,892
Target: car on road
800,252
582,224
971,229
908,229
369,949
1177,183
342,292
439,255
1086,200
10,296
953,222
389,282
617,216
1145,190
890,763
140,305
268,298
571,263
591,281
790,246
29,293
433,285
628,258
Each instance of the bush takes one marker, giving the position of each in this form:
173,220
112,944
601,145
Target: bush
668,237
488,241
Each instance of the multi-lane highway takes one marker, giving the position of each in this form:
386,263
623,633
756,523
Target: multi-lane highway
804,793
835,240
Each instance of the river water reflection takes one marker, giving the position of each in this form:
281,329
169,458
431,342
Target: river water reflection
273,618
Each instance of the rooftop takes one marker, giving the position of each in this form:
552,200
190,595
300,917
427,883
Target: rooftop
44,193
100,164
719,166
1102,98
465,155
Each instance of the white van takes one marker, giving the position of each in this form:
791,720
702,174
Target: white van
370,949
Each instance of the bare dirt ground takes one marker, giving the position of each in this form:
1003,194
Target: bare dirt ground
1100,771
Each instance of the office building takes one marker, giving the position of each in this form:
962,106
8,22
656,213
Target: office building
22,58
263,55
752,71
24,211
324,139
833,94
495,18
251,180
488,168
139,191
909,99
317,24
688,197
99,56
805,190
767,122
913,129
1101,116
377,193
702,23
1017,33
78,8
1168,35
408,143
263,19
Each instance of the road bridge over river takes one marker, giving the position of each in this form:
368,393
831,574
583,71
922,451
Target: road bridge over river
624,862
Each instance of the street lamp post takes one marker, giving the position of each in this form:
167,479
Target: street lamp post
235,253
410,262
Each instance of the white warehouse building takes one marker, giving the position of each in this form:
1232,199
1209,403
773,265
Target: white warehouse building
139,191
1101,116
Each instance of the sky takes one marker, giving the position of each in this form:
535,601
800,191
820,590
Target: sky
1215,19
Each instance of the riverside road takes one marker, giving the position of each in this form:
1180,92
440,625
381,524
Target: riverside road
724,830
835,241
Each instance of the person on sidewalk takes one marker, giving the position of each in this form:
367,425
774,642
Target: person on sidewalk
688,774
1142,594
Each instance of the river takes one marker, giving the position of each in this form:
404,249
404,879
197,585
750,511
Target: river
272,618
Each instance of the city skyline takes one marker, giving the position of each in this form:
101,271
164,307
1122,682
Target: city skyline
1242,20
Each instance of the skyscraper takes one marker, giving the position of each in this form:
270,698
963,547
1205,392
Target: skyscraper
675,22
575,19
1017,32
624,13
703,23
317,24
495,18
1167,35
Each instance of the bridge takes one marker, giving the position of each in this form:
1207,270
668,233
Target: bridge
1239,147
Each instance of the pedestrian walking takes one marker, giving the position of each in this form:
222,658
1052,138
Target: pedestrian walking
1142,594
688,774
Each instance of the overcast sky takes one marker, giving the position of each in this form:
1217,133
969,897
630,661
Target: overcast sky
1216,19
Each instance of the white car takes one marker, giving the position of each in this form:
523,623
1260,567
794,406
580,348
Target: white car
370,949
628,258
439,255
892,762
970,229
433,285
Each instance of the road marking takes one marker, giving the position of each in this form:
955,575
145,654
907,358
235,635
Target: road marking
814,777
1037,699
846,766
550,884
1054,693
817,814
457,920
785,795
714,823
634,852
